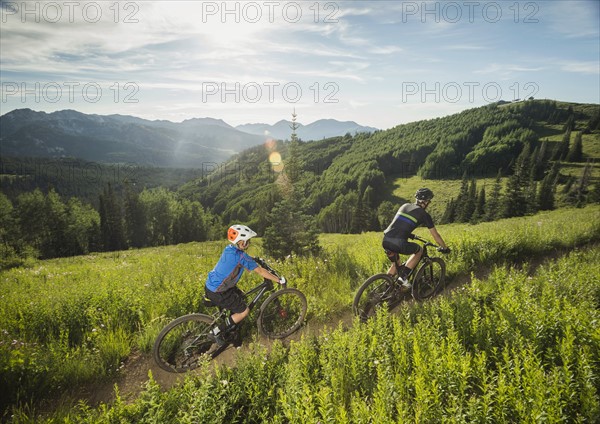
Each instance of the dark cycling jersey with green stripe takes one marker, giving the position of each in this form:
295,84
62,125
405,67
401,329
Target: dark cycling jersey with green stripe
408,217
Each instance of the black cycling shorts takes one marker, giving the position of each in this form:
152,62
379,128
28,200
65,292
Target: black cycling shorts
401,246
232,299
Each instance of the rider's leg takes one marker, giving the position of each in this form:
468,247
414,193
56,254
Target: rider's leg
394,258
233,299
236,318
414,259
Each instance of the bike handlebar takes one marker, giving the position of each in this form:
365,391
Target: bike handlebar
266,266
425,242
422,240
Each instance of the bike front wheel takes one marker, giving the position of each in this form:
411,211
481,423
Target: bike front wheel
373,293
429,278
180,346
282,313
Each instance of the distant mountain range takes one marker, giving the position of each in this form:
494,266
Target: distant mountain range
323,128
127,139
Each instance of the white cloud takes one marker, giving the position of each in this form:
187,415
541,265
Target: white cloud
503,69
592,68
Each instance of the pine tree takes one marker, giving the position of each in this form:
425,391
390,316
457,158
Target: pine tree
56,244
111,221
480,207
82,222
593,123
531,198
30,211
135,219
570,124
530,190
10,254
545,197
469,203
562,150
290,231
576,151
493,205
293,166
541,161
449,213
461,199
579,192
515,203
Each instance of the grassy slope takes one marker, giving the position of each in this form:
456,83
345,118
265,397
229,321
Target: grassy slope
95,309
512,348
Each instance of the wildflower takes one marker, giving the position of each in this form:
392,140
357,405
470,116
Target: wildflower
224,382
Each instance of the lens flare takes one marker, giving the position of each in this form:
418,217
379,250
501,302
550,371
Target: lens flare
276,163
270,144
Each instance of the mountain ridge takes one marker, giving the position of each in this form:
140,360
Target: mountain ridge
118,138
317,130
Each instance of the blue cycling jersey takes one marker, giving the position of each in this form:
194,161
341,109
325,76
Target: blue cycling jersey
228,271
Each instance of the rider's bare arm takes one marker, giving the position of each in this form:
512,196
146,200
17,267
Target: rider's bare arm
266,274
436,236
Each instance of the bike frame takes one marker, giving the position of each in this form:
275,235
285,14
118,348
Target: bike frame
261,289
422,261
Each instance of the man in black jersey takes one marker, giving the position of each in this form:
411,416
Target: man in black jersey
407,219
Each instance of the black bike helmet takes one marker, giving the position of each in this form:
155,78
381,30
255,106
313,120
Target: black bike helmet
424,194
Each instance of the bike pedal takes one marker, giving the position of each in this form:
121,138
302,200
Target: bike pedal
404,287
217,338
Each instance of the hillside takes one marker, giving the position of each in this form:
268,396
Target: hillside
120,139
339,176
193,143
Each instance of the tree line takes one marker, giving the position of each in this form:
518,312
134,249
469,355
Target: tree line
45,226
339,185
531,187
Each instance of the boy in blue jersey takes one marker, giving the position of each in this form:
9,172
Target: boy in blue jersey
221,284
395,237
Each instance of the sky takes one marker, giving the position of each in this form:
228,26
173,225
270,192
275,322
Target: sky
378,63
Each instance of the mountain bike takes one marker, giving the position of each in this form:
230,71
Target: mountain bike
426,279
182,343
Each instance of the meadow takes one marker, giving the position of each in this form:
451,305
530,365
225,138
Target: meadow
514,347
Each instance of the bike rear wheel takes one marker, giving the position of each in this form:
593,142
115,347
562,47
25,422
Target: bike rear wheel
181,344
429,278
374,292
282,313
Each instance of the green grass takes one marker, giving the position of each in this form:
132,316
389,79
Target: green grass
514,347
591,145
67,322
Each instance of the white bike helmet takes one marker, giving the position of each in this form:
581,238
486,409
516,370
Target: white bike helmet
239,232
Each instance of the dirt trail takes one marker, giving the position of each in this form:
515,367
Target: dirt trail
134,375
